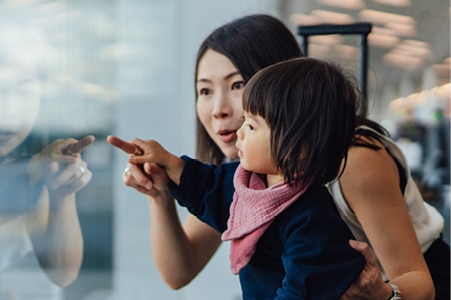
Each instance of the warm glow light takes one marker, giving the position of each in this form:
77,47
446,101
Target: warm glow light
306,20
380,17
402,29
347,4
403,61
383,38
382,41
383,30
330,17
398,3
331,39
414,48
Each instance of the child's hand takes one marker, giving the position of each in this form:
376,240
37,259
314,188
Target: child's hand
143,174
127,147
150,152
154,153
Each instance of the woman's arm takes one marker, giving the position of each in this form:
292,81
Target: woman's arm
180,252
56,236
53,225
370,184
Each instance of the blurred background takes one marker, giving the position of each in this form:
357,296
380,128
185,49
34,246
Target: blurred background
126,67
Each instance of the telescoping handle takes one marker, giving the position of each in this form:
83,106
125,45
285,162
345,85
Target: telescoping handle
362,29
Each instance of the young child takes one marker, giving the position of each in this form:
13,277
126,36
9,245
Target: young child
287,238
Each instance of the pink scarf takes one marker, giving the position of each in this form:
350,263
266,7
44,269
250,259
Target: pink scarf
253,209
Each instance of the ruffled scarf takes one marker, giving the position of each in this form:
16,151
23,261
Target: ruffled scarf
253,209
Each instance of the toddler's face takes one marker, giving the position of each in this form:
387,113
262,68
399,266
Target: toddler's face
19,104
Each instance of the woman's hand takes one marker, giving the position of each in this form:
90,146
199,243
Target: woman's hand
61,167
369,285
147,178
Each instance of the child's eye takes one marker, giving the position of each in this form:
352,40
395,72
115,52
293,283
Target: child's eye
250,127
238,85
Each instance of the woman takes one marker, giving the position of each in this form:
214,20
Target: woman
38,181
226,60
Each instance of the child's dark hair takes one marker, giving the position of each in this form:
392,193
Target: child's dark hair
310,107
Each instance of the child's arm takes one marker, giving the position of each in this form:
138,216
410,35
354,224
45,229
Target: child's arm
153,152
150,151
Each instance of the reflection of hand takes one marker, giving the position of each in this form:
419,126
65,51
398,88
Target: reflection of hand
61,166
369,284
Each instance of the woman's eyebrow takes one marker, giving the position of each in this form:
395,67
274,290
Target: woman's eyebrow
228,76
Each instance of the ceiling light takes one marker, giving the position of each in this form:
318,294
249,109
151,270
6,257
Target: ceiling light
330,17
382,40
414,48
398,3
380,17
402,29
305,20
331,39
403,61
347,4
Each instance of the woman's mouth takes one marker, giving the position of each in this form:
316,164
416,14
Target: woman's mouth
227,136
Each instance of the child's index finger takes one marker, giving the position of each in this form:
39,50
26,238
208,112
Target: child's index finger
79,146
121,144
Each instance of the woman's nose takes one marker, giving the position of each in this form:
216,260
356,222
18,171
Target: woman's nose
222,107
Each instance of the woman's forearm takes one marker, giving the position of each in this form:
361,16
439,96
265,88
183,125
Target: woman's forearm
180,252
57,238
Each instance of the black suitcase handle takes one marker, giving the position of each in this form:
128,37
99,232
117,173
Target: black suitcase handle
362,29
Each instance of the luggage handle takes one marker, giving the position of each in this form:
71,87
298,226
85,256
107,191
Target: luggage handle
362,29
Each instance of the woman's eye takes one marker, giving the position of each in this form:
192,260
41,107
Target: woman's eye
204,92
250,127
238,85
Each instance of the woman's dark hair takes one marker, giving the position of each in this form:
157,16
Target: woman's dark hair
310,106
251,43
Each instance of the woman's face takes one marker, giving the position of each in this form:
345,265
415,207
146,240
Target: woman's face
219,89
19,105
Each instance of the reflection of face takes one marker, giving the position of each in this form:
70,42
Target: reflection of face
254,144
219,89
19,105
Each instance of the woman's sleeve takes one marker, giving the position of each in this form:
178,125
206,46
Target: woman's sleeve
206,191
